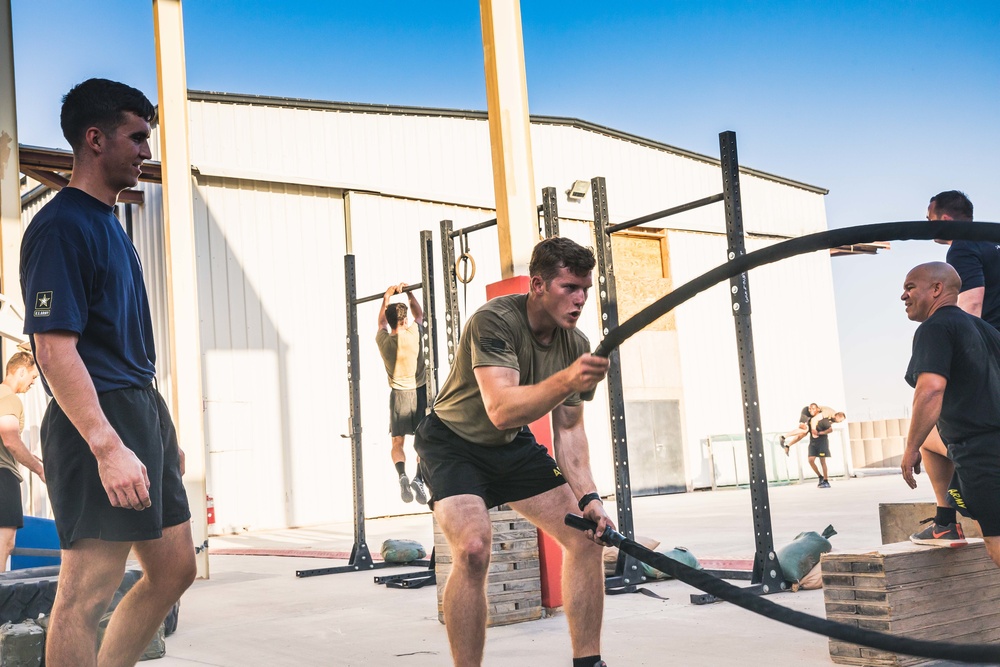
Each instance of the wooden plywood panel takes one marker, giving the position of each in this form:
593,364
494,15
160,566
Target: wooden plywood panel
641,264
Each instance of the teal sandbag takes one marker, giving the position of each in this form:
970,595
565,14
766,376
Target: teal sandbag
402,551
801,554
679,554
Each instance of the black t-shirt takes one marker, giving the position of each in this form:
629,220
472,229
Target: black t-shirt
978,265
965,350
81,273
821,425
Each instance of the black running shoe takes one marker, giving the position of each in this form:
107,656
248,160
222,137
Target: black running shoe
419,490
404,489
937,535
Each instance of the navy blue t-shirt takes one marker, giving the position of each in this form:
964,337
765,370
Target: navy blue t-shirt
965,350
81,273
978,265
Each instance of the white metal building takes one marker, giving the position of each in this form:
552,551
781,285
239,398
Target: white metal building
283,188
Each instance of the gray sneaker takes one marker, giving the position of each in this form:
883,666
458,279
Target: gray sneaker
404,489
419,490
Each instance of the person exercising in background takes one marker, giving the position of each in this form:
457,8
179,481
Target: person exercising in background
806,417
398,341
21,373
819,444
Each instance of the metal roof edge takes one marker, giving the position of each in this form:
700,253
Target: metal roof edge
362,107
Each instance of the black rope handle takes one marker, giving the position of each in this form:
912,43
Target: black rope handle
884,231
974,653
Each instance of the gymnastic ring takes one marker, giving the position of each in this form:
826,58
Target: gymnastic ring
470,262
883,231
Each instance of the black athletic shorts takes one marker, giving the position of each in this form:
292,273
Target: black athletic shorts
453,466
11,510
975,488
406,408
821,448
80,503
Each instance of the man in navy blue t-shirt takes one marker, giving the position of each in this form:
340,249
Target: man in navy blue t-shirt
112,462
955,373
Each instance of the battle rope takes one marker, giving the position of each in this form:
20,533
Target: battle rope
976,653
886,231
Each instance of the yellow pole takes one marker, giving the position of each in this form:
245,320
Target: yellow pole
510,134
182,285
10,176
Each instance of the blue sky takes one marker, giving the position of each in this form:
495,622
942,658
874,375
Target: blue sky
883,103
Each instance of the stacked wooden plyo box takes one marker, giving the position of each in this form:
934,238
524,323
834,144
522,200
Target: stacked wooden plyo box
905,589
513,585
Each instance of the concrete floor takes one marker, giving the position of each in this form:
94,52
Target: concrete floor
254,611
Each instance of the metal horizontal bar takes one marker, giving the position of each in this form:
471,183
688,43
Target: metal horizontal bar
379,295
665,213
481,225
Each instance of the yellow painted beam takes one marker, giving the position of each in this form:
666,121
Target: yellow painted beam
510,134
182,285
10,177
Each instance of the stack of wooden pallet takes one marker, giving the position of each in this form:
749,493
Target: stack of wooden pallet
513,585
910,590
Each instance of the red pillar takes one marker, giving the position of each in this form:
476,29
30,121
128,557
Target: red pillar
549,551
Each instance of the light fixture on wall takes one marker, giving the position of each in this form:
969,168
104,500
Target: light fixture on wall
578,190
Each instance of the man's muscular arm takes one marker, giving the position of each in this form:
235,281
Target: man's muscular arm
122,473
971,301
510,405
928,396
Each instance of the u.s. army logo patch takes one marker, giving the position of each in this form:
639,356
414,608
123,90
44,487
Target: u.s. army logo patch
43,304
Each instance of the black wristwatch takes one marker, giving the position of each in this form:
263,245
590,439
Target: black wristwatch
587,499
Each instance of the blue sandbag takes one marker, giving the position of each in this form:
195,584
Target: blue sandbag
799,556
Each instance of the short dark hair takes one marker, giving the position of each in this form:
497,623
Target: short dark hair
19,360
395,313
954,203
100,103
553,254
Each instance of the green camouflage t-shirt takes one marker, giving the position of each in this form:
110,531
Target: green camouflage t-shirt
498,334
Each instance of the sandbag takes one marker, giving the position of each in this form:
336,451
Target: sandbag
611,553
803,553
813,580
402,551
679,554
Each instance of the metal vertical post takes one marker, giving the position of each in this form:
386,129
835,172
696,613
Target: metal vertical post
451,314
766,570
629,569
429,343
360,556
550,213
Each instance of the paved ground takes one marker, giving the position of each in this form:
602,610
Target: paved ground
254,611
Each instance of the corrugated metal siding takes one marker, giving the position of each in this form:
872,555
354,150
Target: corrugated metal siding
271,304
795,342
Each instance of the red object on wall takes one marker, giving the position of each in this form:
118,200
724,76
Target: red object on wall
549,551
210,505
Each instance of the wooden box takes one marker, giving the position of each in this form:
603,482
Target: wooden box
513,584
910,590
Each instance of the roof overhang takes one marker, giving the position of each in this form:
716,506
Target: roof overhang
52,166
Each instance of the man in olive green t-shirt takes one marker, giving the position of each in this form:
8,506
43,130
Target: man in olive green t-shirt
21,373
519,358
398,341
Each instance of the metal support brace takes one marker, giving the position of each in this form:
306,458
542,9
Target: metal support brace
452,326
766,569
550,213
629,571
429,342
